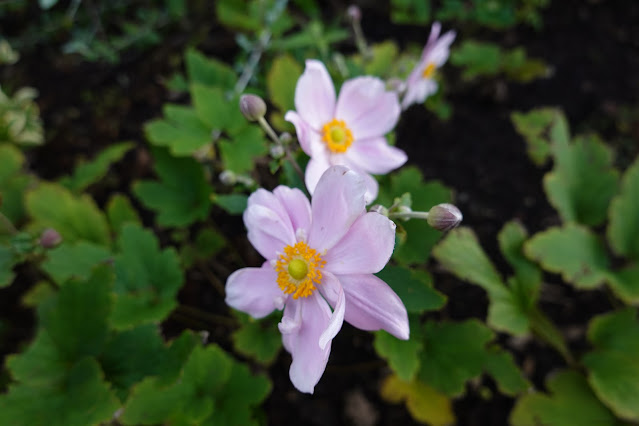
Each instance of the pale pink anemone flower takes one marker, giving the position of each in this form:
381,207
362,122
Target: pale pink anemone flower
319,255
421,83
348,130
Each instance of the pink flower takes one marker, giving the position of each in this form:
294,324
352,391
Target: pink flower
319,255
348,131
420,83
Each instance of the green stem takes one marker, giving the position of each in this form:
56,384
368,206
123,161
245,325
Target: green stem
408,215
360,40
276,139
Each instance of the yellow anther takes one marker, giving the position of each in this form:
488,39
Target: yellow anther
337,135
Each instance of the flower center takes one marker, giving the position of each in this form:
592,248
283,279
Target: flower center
298,270
337,135
429,71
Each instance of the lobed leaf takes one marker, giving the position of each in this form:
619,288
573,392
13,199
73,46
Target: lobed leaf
258,339
181,130
281,81
74,260
13,184
208,71
540,127
240,153
402,355
623,213
91,172
119,210
414,287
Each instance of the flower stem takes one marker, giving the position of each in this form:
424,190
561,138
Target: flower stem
360,40
252,62
408,215
276,139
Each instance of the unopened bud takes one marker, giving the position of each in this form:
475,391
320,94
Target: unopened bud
378,208
50,238
286,138
227,177
252,107
444,217
354,12
277,151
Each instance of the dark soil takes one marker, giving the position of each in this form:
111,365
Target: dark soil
593,47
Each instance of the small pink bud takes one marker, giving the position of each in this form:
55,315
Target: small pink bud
354,12
50,238
252,107
444,217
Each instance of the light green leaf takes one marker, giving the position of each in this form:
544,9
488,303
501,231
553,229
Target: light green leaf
402,355
573,251
613,367
13,184
477,58
182,196
570,402
538,126
501,366
281,81
528,275
75,218
240,153
414,287
74,260
181,130
147,278
88,173
208,71
215,110
583,181
120,211
384,56
453,354
258,339
623,227
232,203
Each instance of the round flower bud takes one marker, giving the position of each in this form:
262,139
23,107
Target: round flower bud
227,177
286,137
277,151
252,107
444,217
50,238
354,12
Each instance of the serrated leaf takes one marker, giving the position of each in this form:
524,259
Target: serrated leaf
239,153
75,218
453,354
570,402
613,367
40,364
208,71
402,355
74,260
413,287
182,196
88,173
258,339
501,366
583,181
625,283
420,237
281,81
538,126
424,403
181,130
573,251
120,211
477,58
528,275
147,279
623,226
215,110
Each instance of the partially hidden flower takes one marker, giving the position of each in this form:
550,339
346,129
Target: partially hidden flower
319,255
421,82
348,130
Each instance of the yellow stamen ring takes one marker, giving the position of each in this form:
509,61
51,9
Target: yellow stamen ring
429,71
298,270
337,135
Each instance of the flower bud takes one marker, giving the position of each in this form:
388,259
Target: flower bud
354,12
277,151
227,177
378,208
252,107
50,238
444,217
286,138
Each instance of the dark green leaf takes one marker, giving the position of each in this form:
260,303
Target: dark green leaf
414,287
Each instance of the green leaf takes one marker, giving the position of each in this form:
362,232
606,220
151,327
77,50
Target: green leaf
570,402
81,398
501,366
181,130
239,154
215,110
414,287
583,181
410,12
208,243
258,339
420,237
120,211
40,364
402,355
7,261
232,203
384,56
538,127
625,283
91,172
147,279
573,251
425,404
613,367
13,184
477,58
182,196
74,260
281,81
623,227
208,71
76,218
496,14
453,354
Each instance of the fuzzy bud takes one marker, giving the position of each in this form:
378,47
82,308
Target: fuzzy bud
252,107
277,151
354,12
378,208
286,138
50,238
227,177
444,217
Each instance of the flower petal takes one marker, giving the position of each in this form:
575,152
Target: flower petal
304,321
302,129
315,168
296,205
372,188
418,91
337,202
315,95
441,49
254,291
267,231
376,156
331,284
372,305
368,109
365,249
